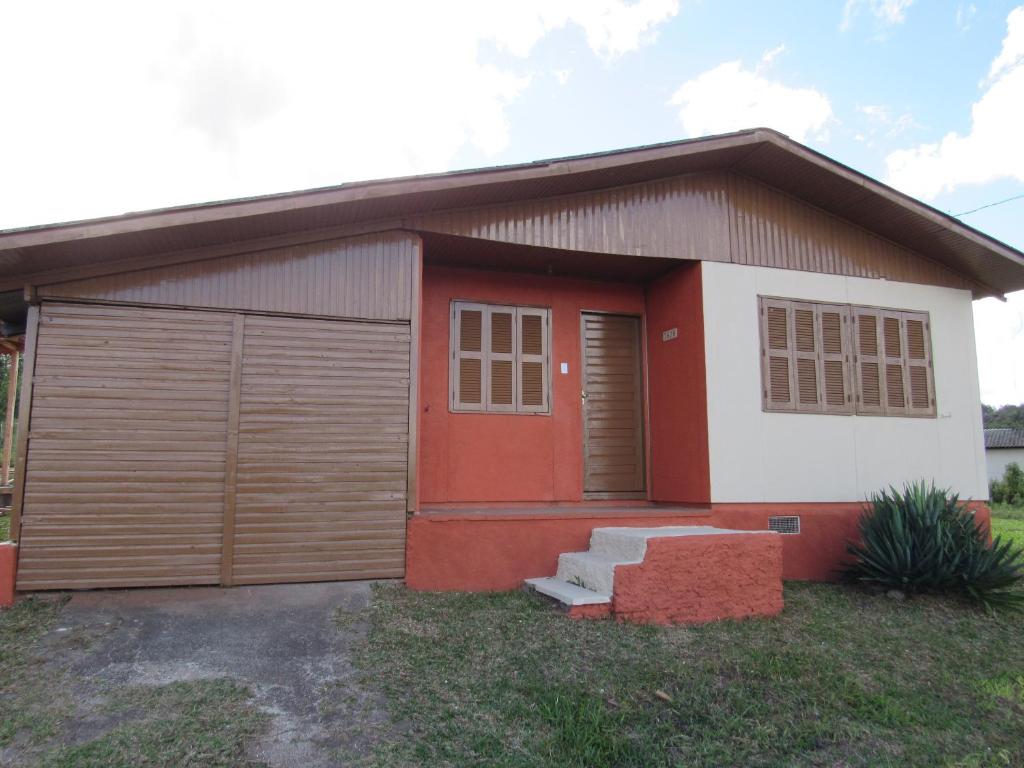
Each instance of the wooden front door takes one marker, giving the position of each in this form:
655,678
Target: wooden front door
613,438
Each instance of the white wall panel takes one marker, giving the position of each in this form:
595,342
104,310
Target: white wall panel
791,457
997,459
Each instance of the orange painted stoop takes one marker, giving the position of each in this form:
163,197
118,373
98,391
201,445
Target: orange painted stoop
8,568
671,575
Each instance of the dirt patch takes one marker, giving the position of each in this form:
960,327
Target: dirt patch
283,644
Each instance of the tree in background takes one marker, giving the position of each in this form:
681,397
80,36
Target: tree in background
5,383
1007,416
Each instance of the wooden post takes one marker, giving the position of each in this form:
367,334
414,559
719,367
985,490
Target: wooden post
227,555
412,489
12,395
24,412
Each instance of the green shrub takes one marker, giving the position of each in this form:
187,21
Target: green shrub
1009,490
925,540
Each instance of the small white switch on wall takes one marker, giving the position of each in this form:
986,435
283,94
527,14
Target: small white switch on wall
565,367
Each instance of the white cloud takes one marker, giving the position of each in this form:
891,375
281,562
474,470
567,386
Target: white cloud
884,12
991,150
965,13
133,105
881,121
731,98
1012,52
999,330
771,54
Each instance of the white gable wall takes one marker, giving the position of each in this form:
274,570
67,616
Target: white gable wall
997,459
799,457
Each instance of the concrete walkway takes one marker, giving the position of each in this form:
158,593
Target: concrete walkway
283,641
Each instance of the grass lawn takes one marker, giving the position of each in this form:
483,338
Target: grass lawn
841,678
1008,522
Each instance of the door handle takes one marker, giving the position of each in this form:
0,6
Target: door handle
583,396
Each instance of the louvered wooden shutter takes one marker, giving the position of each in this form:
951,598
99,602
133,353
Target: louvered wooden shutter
919,368
469,357
778,387
805,357
501,359
868,360
836,388
532,384
894,348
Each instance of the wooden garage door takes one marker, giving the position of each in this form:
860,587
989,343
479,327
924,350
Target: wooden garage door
322,451
177,447
125,472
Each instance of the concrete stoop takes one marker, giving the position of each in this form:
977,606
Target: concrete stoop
669,575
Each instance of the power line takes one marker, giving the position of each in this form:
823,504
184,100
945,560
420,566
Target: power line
990,205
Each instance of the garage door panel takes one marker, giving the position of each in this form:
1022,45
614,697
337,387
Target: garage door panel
335,420
102,482
130,453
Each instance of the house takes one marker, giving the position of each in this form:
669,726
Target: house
454,378
1002,447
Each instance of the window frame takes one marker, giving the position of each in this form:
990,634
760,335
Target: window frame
517,356
852,372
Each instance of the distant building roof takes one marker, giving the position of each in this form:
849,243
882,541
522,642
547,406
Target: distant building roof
1004,438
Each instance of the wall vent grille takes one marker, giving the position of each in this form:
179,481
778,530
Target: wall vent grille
784,524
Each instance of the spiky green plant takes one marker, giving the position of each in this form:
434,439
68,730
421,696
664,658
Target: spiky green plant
923,539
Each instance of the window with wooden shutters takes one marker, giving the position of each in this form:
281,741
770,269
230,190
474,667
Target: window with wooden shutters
777,355
894,351
500,358
869,361
837,358
836,378
919,367
532,389
805,357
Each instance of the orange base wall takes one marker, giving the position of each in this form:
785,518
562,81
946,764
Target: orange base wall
697,579
488,552
8,568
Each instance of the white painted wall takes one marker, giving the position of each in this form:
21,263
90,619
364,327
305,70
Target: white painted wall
791,457
997,458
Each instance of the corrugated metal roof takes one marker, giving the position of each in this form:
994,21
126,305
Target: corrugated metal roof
46,253
1004,438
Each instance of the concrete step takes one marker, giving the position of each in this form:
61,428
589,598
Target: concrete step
592,570
631,543
569,594
677,574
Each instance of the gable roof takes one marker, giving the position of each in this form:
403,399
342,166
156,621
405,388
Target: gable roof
1004,438
46,253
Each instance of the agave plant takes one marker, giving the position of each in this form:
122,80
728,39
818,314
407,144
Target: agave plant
923,539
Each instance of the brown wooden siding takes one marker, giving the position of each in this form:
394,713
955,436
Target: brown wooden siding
369,277
709,217
323,434
767,228
680,218
124,483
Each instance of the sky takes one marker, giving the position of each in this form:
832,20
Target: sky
111,107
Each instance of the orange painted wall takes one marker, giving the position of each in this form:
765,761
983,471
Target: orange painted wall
679,460
696,579
505,457
8,569
483,552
